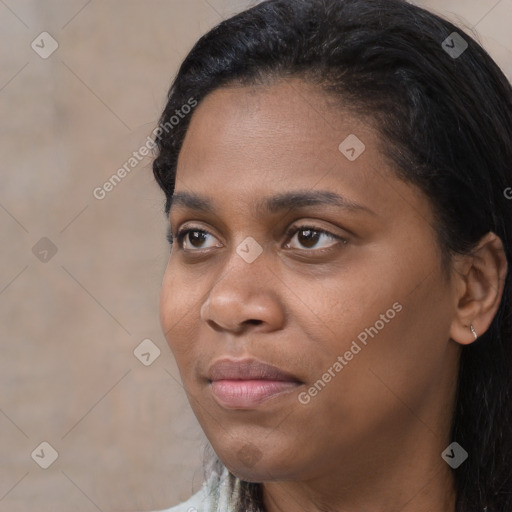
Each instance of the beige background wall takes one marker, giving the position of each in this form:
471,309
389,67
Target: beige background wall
125,437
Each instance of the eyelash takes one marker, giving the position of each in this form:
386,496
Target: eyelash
289,234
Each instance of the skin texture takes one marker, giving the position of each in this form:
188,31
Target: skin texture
372,438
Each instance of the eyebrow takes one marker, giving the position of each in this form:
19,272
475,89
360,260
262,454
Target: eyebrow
274,204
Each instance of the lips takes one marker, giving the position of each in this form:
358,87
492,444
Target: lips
248,383
247,369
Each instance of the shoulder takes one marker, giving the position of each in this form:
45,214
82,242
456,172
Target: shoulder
216,495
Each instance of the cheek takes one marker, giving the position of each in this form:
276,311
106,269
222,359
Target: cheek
396,347
179,311
391,317
167,303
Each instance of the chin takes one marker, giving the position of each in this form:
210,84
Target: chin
251,465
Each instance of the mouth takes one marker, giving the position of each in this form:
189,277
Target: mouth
248,383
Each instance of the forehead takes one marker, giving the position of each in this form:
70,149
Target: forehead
286,130
284,115
245,144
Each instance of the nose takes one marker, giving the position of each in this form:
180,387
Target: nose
245,295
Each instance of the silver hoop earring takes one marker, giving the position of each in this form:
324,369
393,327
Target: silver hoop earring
473,331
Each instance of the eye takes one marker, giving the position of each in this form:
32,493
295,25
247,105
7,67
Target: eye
195,238
309,236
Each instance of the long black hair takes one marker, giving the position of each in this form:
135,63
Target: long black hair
444,114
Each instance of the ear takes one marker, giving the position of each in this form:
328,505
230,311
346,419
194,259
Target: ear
480,279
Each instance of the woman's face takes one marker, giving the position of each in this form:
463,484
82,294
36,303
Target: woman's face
340,288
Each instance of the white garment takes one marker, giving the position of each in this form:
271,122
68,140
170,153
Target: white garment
214,496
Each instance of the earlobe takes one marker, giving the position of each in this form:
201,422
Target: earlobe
480,279
463,334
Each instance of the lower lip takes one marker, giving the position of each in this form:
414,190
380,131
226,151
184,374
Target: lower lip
246,394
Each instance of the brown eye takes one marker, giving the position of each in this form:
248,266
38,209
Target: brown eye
308,237
195,237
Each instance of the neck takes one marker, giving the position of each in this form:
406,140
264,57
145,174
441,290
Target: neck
435,492
405,475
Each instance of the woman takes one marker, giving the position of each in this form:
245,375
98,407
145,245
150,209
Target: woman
337,296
